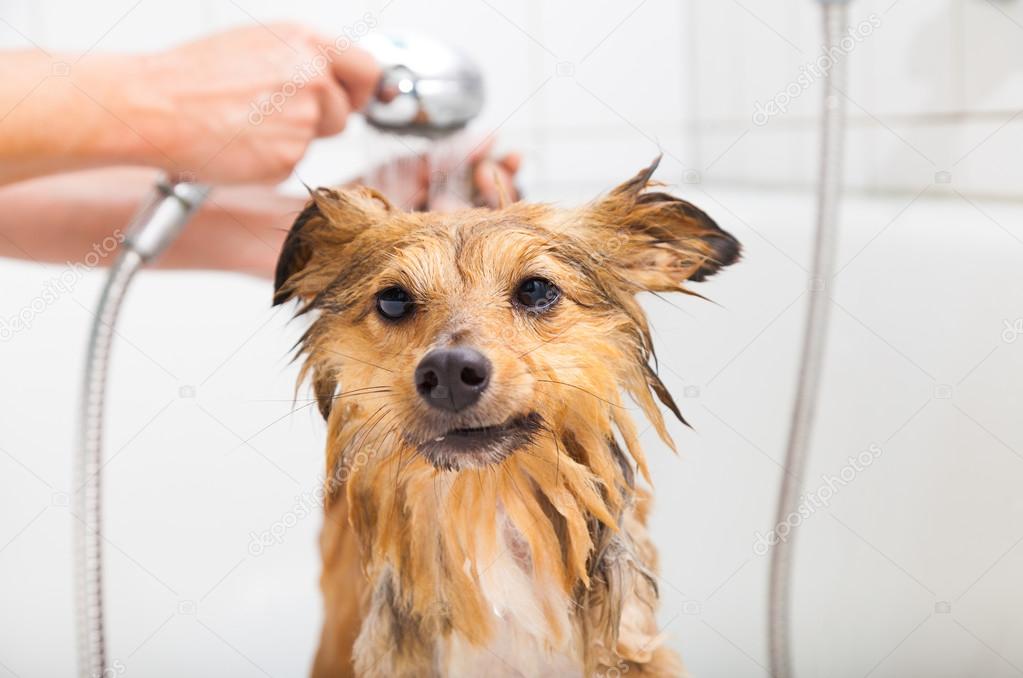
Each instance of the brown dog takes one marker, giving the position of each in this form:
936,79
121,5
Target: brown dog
482,512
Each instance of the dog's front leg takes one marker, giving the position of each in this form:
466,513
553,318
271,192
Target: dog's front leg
626,593
391,643
345,592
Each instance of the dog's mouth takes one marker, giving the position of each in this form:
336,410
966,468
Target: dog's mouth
479,446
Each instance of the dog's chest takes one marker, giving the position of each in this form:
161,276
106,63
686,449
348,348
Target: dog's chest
532,629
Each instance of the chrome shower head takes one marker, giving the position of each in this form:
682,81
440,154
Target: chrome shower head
428,88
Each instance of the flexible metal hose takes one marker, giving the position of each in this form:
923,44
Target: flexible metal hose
152,229
88,478
814,339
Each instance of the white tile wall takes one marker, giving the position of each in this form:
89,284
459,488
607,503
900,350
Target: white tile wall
993,60
916,50
931,69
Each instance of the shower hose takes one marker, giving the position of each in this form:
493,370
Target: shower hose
814,338
151,230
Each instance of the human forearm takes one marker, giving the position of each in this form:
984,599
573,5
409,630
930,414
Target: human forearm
62,115
234,108
62,218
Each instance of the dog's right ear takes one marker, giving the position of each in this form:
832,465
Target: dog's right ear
657,241
313,252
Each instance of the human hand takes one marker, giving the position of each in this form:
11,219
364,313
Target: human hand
448,181
493,180
243,106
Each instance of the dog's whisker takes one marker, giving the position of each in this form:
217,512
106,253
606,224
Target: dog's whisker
557,446
543,343
371,429
565,383
276,421
526,451
550,370
353,446
350,357
371,397
366,388
385,420
411,459
354,392
397,477
350,445
359,392
397,469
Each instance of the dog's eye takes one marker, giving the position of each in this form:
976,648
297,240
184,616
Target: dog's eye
537,294
394,303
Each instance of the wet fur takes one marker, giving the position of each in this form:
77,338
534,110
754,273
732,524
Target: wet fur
541,556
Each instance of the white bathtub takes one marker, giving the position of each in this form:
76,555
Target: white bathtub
911,567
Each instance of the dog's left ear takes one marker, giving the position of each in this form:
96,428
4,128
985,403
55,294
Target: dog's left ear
314,252
657,241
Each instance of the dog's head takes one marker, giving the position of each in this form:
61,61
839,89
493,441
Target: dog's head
478,361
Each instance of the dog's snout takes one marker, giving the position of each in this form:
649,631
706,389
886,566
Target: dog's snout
452,378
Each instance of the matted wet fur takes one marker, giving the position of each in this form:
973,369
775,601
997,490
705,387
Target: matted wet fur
529,556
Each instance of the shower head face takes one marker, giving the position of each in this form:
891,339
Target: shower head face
427,89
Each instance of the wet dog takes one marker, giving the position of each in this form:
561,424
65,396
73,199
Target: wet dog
485,509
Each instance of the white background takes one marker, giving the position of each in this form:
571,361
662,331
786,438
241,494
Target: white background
911,569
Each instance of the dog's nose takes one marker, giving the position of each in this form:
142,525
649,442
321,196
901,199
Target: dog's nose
452,378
